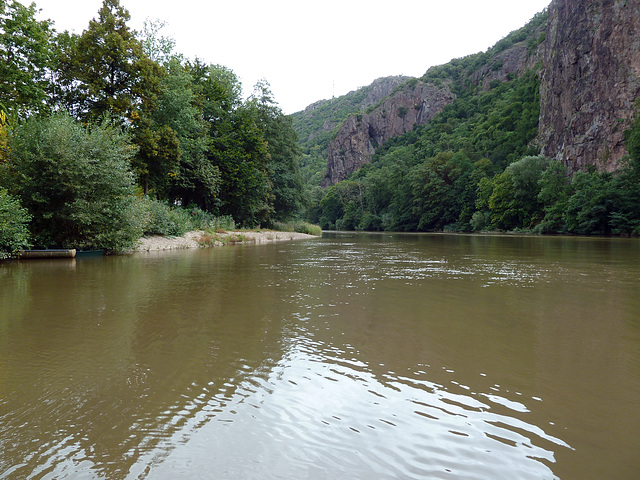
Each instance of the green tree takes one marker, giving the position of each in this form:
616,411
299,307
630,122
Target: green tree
63,89
24,58
506,211
14,220
196,180
171,162
237,148
555,189
443,189
343,206
514,201
157,47
626,218
106,67
284,153
4,138
76,183
590,206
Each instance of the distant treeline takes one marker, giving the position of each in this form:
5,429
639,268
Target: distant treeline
96,127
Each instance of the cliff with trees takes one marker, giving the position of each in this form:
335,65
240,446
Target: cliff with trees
539,133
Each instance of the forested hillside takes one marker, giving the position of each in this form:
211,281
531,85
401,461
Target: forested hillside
104,134
476,165
318,124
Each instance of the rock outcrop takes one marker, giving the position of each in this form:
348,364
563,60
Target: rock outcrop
590,80
331,111
416,103
588,58
512,61
361,134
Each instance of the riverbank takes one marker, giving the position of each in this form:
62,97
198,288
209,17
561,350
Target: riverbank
199,239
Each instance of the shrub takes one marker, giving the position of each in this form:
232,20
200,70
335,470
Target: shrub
481,220
14,234
76,182
222,223
159,218
309,229
165,220
299,227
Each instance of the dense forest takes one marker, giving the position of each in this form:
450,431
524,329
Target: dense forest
110,134
476,165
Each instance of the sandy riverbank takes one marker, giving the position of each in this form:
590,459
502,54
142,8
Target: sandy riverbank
190,239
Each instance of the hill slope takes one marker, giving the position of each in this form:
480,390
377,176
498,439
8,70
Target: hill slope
458,149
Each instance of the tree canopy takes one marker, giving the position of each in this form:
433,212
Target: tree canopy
141,120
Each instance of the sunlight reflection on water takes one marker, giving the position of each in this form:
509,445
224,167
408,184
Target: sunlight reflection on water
320,412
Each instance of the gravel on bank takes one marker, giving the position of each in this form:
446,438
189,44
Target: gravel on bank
191,239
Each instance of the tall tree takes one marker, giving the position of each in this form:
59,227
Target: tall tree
107,64
236,145
193,179
284,152
4,138
155,45
24,58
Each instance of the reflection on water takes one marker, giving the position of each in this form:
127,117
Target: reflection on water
317,415
354,356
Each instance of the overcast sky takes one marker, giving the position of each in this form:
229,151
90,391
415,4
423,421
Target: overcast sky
313,50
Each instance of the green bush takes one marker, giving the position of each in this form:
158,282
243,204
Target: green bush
165,220
202,220
76,182
159,218
308,228
299,227
14,234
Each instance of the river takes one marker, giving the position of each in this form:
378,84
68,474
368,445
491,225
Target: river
353,356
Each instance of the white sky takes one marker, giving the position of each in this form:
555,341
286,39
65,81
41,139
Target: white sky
313,50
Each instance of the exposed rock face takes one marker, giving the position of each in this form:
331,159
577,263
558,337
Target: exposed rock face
380,89
590,81
360,99
513,61
360,135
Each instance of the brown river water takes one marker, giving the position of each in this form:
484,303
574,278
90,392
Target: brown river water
353,356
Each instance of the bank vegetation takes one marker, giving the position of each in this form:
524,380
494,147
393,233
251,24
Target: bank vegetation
110,135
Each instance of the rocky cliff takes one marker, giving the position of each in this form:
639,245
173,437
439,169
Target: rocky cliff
361,134
588,58
419,100
323,116
590,80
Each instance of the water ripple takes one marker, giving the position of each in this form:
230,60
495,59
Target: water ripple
311,416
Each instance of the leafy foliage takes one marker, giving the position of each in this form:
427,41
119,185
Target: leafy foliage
107,68
24,58
179,129
427,179
237,146
284,154
475,165
76,183
14,220
318,125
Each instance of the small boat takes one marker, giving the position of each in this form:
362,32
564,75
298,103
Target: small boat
89,253
49,253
